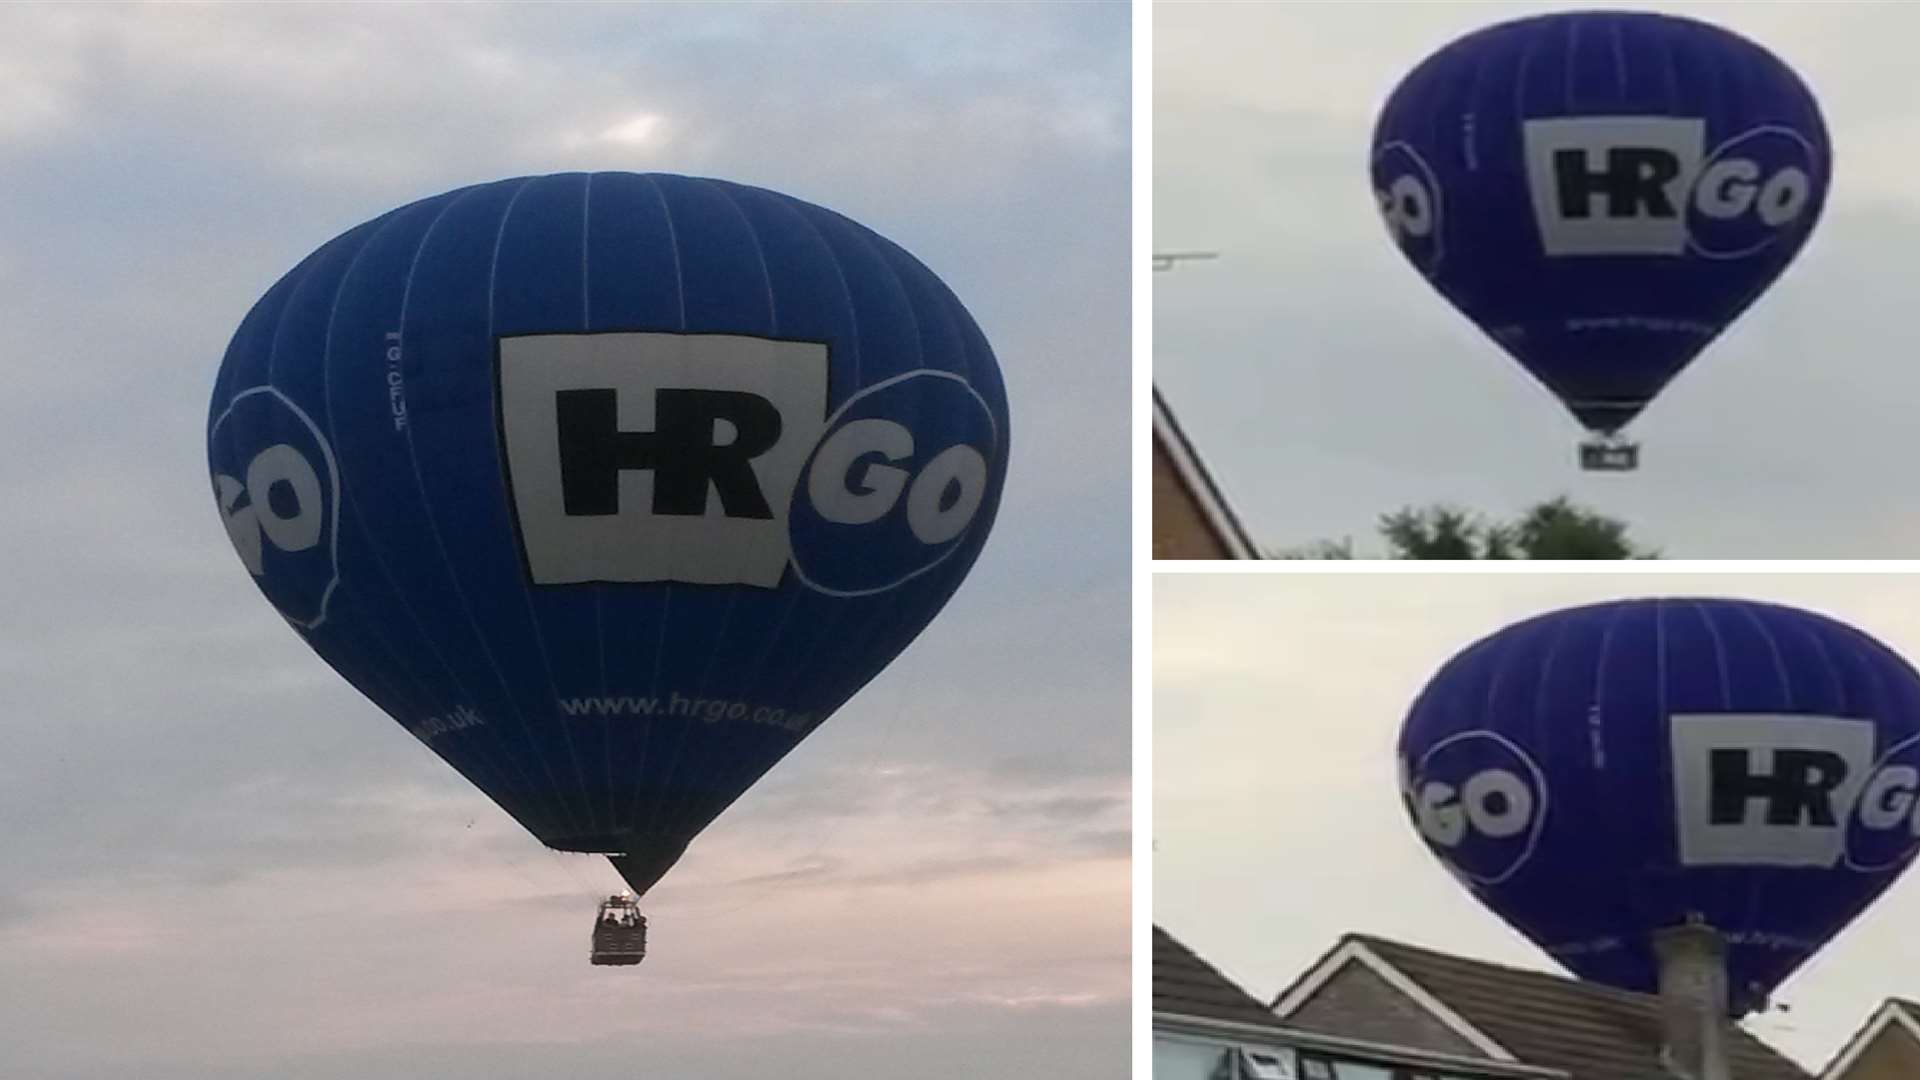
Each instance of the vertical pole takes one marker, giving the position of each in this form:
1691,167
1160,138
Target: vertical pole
1693,1000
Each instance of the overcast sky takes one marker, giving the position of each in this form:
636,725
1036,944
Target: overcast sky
221,862
1325,382
1277,820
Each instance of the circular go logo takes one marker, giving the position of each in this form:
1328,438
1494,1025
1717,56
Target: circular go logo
1409,198
278,492
1480,803
904,472
1751,190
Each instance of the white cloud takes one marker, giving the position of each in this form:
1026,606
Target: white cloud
638,128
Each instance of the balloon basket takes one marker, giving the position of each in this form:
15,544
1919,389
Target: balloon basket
619,932
1609,453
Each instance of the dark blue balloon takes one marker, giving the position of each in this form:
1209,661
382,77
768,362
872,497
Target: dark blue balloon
610,488
1601,192
1599,773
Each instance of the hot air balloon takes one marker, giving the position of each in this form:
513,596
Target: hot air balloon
1599,774
609,488
1602,773
1602,193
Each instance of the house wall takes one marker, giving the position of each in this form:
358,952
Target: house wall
1180,529
1359,1004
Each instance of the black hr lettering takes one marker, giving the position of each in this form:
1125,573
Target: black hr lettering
1798,791
1635,178
681,451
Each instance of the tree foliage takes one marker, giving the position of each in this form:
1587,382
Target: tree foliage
1555,529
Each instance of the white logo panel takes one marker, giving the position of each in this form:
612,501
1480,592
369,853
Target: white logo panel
1767,790
1613,185
638,457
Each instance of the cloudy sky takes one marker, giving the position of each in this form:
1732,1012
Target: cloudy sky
221,862
1326,383
1277,821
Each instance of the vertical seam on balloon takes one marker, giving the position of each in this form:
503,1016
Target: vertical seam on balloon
1672,72
1833,671
346,490
865,237
1471,146
422,694
347,497
433,526
273,352
752,687
666,592
1660,666
1572,60
1546,672
688,801
1437,76
1599,695
599,588
846,292
526,592
803,215
371,673
1719,655
673,245
1868,654
1779,660
286,310
759,253
844,689
1619,58
1868,650
1594,721
586,326
892,607
1593,741
1520,79
1756,898
1505,660
1456,699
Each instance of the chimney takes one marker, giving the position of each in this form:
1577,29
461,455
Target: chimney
1693,1001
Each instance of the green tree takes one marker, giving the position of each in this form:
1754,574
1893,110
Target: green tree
1555,529
1444,532
1558,529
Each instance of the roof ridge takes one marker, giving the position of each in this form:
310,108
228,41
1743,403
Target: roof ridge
1306,973
1453,957
1245,1007
1596,994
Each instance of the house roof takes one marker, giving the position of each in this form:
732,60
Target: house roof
1186,985
1593,1032
1892,1012
1198,484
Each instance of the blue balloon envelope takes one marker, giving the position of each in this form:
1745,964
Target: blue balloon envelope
1601,192
1597,774
609,488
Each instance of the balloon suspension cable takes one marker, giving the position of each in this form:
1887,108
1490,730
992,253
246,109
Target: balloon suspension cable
1609,451
1694,1007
